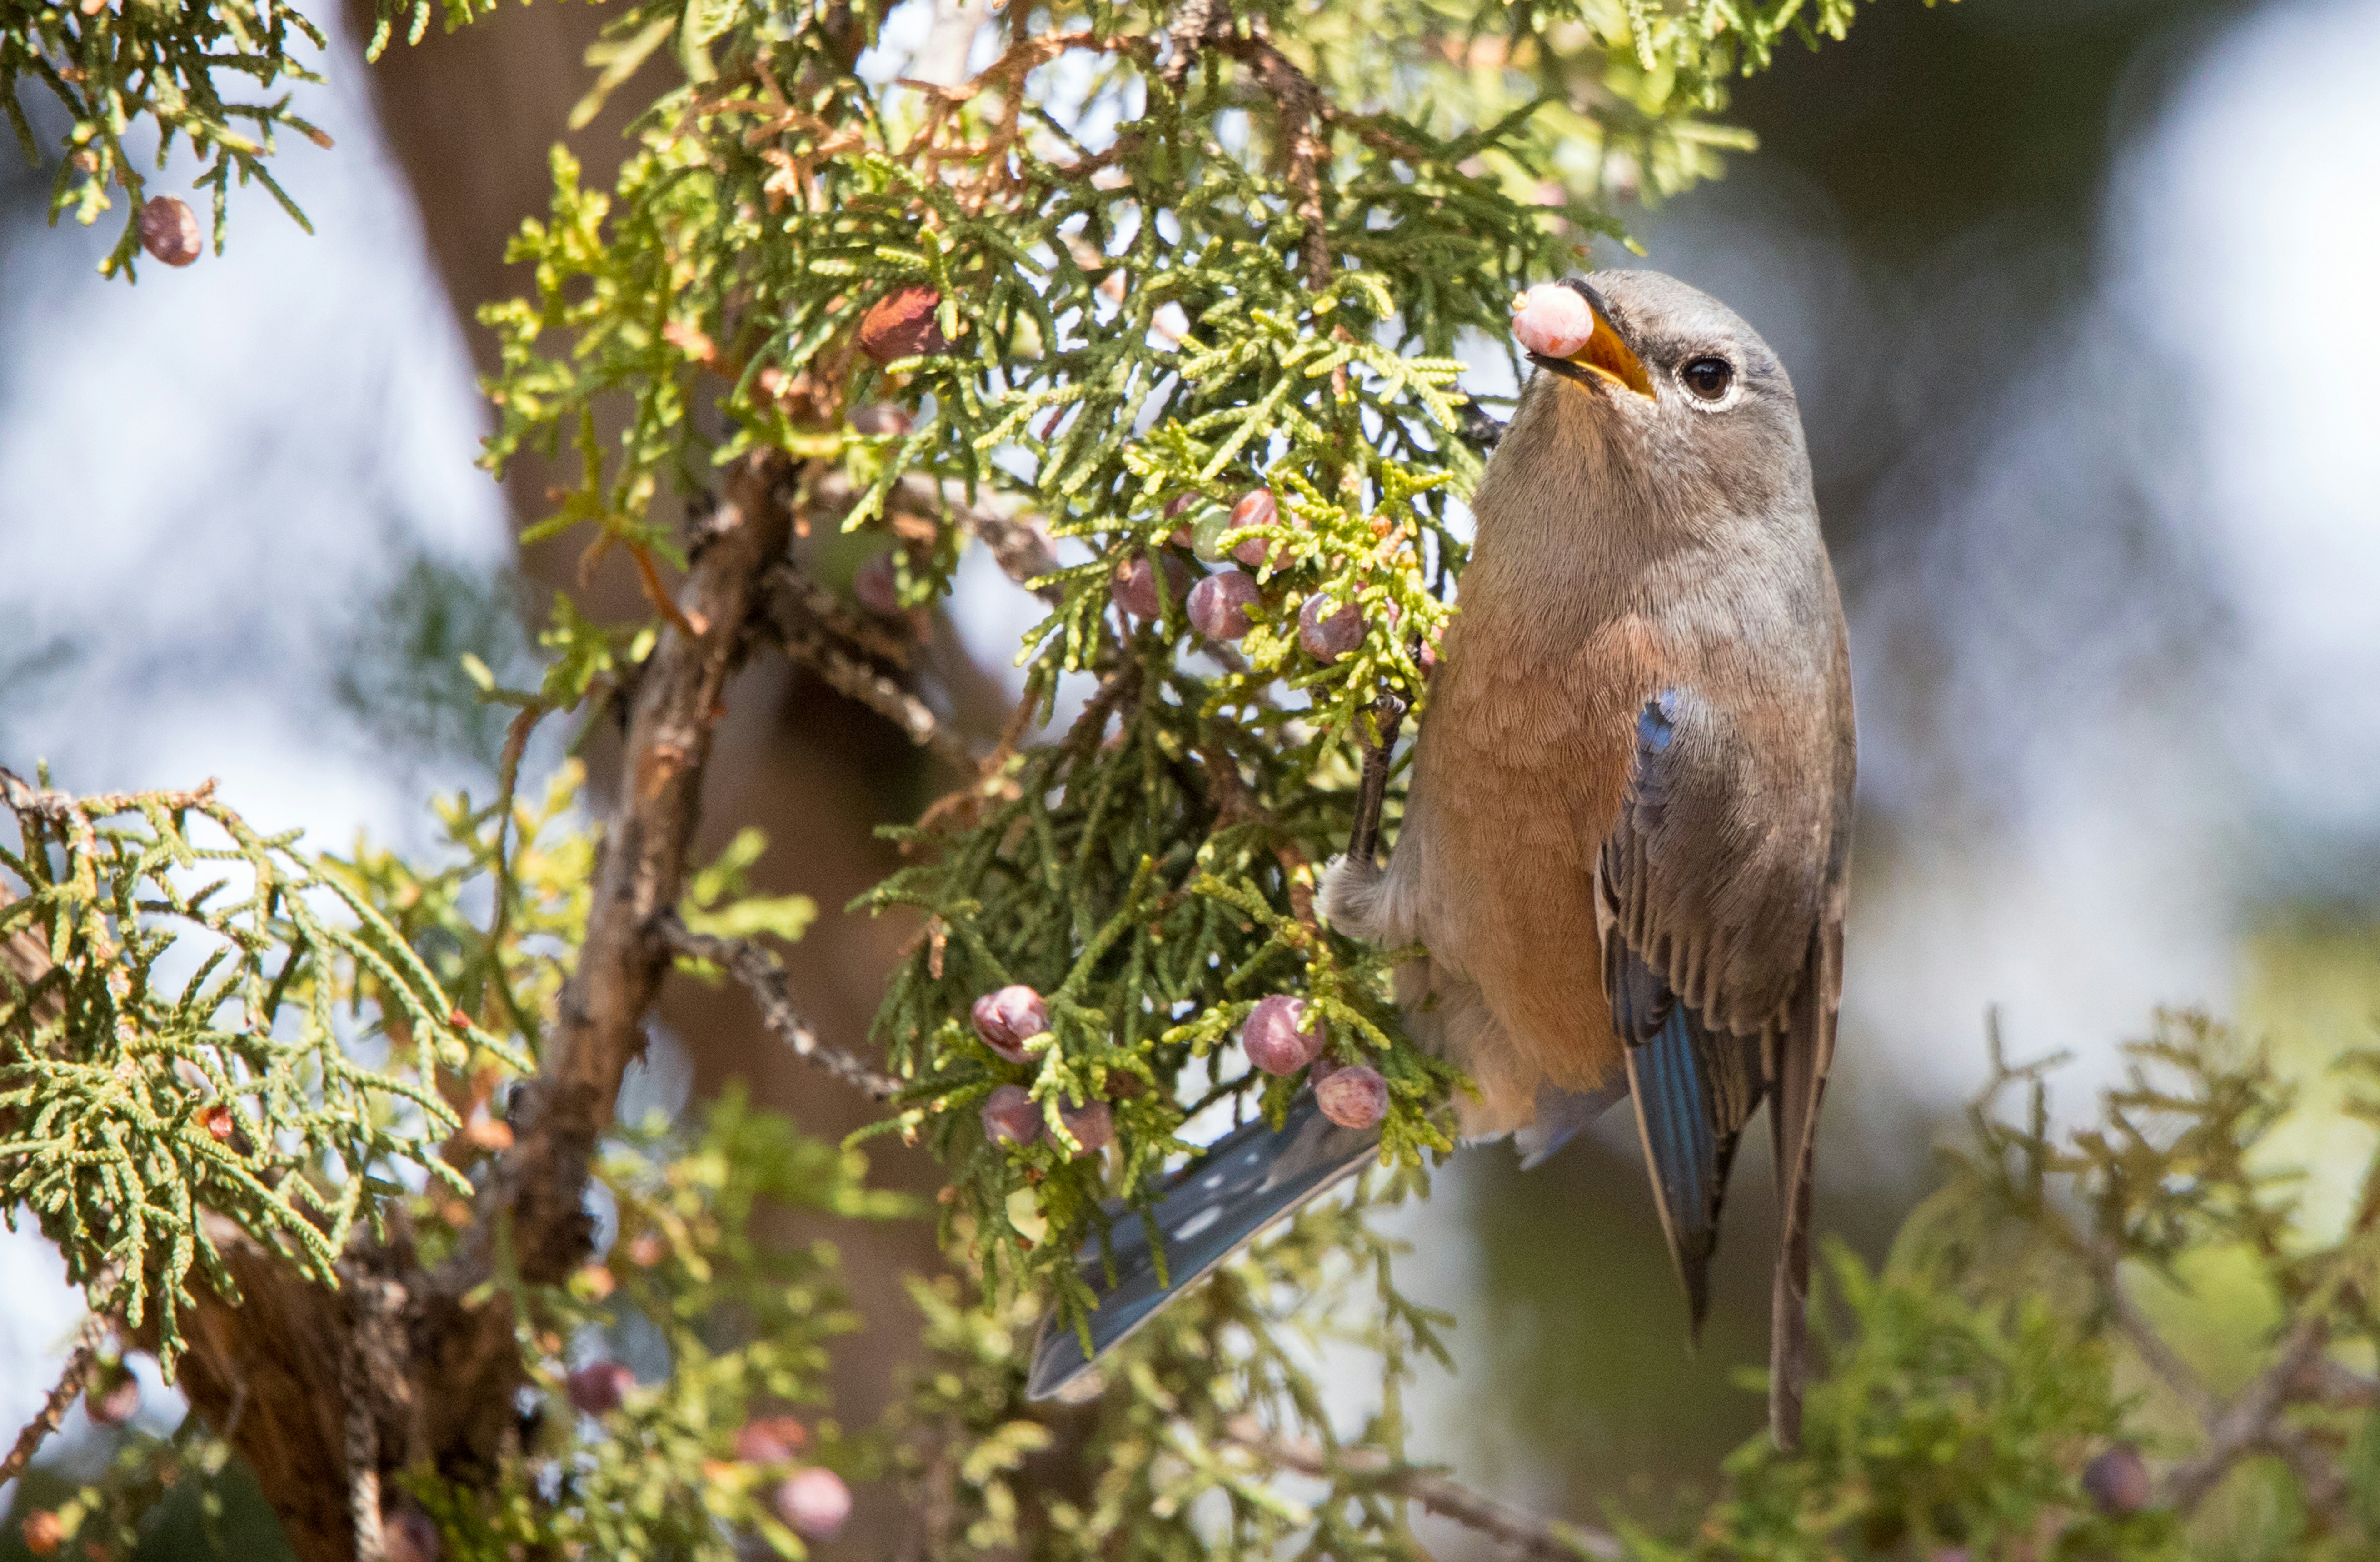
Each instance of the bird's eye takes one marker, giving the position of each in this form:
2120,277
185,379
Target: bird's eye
1709,377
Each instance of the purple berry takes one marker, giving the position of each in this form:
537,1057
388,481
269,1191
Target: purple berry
113,1399
1272,1038
2118,1481
1218,604
1010,1116
877,584
814,1502
409,1536
1135,589
169,230
1092,1126
1258,507
1353,1097
598,1389
1328,632
1008,1018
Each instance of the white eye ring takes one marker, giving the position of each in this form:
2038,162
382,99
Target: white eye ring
1731,390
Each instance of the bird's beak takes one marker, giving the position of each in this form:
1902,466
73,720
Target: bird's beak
1607,355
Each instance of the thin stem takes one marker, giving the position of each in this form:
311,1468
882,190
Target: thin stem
1545,1540
759,974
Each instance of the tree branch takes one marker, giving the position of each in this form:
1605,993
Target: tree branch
760,975
2251,1423
67,1389
1543,1539
599,1030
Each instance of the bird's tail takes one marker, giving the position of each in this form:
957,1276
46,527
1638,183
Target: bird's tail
1214,1207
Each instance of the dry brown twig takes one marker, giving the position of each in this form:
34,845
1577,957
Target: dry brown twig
759,974
63,1394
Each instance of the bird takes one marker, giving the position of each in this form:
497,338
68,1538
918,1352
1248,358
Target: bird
1626,840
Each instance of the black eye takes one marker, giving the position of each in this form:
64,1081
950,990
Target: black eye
1709,377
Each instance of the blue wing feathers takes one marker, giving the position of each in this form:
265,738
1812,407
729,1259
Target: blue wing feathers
1214,1207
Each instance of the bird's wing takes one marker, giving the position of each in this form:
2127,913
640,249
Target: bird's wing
1215,1206
1708,888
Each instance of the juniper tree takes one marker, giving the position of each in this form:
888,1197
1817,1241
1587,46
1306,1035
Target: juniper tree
1164,307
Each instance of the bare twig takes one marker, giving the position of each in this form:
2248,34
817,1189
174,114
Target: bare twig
794,597
1018,546
1545,1540
2251,1423
2160,1358
1364,841
762,976
69,1388
2324,1381
1300,105
848,675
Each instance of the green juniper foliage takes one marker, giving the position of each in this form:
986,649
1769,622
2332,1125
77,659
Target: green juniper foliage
192,1047
113,65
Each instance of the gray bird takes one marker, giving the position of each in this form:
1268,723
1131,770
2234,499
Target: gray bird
1627,836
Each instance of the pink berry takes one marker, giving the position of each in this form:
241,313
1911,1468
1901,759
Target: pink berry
113,1399
409,1536
169,230
814,1502
877,584
1272,1037
1258,507
770,1439
1427,658
902,325
1010,1115
879,418
1092,1126
1134,585
1179,504
2118,1481
1553,320
598,1389
1353,1097
1008,1018
1219,603
1135,589
1328,632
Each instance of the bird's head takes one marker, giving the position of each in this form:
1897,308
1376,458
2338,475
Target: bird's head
1658,392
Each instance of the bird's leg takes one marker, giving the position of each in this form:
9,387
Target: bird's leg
1387,715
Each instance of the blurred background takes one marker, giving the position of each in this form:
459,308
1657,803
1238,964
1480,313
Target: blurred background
2078,295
